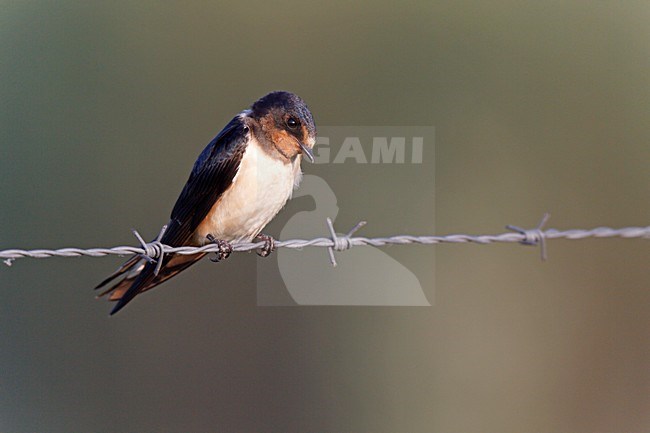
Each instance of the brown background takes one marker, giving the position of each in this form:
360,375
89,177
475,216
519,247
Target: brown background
537,107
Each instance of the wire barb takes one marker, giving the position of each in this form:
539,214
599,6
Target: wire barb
534,236
153,252
340,243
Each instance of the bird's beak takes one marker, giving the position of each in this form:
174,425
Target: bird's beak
307,152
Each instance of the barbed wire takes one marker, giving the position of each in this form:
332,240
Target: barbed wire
152,251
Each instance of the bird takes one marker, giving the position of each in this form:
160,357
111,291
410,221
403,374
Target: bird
237,185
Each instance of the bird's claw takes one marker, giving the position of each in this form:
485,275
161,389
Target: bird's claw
224,249
269,245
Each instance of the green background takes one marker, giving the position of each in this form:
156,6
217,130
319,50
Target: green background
538,106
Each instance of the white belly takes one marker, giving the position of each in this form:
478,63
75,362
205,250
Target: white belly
260,189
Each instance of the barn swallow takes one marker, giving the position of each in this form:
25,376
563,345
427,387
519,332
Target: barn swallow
240,181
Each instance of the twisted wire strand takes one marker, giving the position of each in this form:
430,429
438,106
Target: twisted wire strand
152,251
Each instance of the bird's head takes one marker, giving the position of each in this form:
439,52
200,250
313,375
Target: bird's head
286,123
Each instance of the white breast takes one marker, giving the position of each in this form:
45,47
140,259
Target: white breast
260,189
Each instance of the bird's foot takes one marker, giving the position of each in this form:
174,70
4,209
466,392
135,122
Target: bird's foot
224,249
269,245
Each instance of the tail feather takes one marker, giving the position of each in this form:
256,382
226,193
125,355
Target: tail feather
126,266
116,291
140,277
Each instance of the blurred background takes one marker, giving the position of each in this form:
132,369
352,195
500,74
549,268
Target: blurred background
537,106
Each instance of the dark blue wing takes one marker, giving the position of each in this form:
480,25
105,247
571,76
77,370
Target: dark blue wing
211,176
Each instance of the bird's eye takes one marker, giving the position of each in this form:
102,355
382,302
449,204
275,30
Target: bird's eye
292,123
